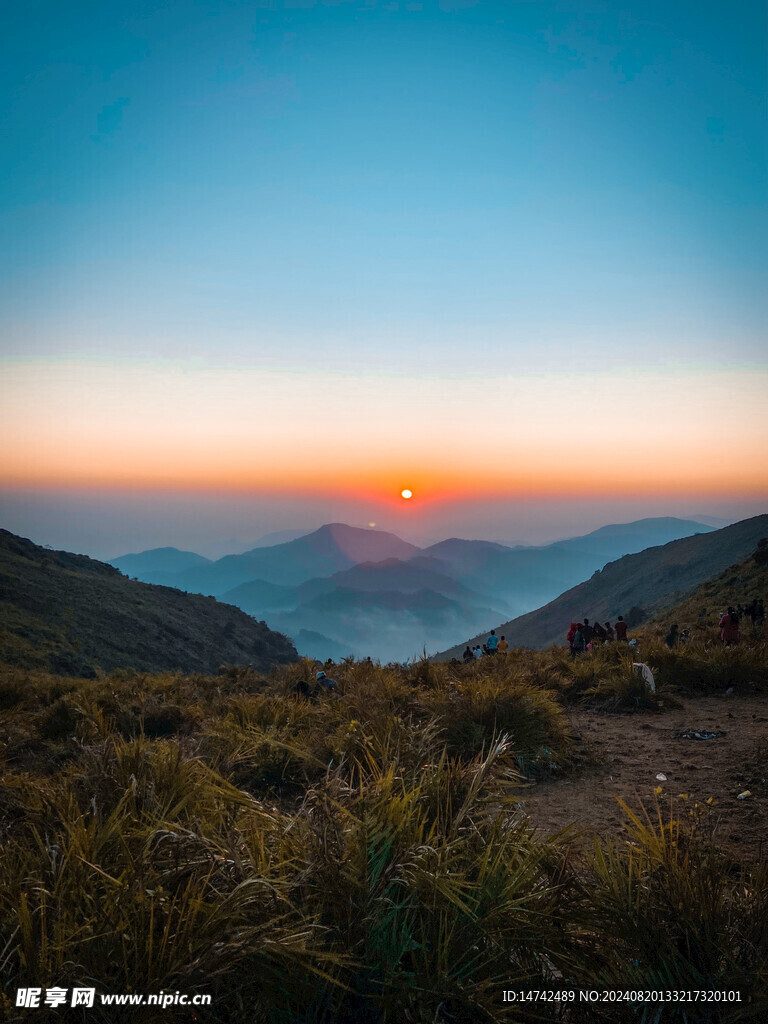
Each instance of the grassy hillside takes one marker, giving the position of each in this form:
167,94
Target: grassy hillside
357,858
70,613
646,581
737,585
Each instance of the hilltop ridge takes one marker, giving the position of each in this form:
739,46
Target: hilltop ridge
73,614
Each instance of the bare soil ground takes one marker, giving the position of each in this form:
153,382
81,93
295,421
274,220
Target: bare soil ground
622,754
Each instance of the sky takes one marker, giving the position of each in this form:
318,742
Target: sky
266,264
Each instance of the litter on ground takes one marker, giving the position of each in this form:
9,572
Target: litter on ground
645,674
695,734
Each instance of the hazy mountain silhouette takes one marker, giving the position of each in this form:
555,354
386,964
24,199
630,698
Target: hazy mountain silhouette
717,521
360,604
526,577
269,540
647,580
484,581
259,597
70,613
620,539
387,625
464,557
327,550
148,564
314,645
391,574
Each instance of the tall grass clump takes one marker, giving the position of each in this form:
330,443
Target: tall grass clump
440,895
670,912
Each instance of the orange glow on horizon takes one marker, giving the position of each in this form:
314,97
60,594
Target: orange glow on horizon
256,433
375,484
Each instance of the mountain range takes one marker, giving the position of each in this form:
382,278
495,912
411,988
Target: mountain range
371,593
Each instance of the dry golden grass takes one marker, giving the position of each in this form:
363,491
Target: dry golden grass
355,858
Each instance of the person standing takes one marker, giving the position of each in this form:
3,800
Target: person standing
579,644
570,634
492,642
621,629
609,634
729,627
503,646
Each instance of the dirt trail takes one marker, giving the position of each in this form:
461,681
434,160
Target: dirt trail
624,752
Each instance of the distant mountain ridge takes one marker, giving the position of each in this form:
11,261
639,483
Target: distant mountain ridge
71,614
482,580
647,580
158,560
330,549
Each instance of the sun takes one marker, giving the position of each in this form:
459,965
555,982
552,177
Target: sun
406,493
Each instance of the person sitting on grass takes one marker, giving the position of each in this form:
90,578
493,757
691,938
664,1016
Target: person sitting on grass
325,684
672,636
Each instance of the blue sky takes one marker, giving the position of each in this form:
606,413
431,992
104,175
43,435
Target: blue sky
499,175
434,190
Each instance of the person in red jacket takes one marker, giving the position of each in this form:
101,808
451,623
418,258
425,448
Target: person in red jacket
621,628
729,627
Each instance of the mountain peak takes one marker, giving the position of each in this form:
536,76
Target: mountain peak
358,544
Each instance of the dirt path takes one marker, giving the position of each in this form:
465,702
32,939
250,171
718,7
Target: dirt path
623,753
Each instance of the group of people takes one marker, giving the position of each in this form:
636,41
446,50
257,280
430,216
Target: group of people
677,636
729,620
728,624
492,646
754,611
583,636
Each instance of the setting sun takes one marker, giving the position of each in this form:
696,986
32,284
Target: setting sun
406,494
